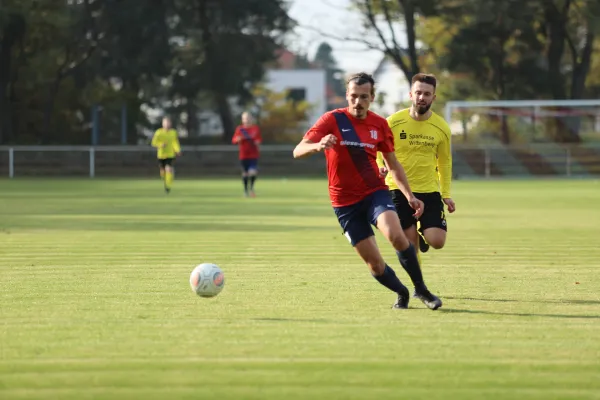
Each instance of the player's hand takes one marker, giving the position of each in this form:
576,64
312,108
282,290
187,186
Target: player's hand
417,205
450,204
179,154
327,142
163,145
383,171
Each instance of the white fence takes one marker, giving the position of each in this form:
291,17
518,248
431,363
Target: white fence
119,160
483,161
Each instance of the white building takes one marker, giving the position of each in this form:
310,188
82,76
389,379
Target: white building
304,84
392,86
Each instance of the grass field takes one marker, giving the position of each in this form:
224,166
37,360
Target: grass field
95,300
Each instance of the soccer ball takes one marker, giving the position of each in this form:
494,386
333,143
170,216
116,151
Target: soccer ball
207,280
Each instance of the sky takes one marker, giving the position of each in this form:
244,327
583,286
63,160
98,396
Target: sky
320,18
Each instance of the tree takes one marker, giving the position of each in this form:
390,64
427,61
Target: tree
12,31
227,45
76,37
136,52
334,75
518,50
58,58
387,18
281,119
68,56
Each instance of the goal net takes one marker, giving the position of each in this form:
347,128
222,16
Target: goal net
521,137
525,121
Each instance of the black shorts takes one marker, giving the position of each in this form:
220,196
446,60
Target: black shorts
165,161
433,215
249,164
356,219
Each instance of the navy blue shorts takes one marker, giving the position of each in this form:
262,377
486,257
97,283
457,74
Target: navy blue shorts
249,163
356,219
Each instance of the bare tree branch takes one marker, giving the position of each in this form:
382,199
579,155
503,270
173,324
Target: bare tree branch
409,19
388,18
368,44
573,48
392,52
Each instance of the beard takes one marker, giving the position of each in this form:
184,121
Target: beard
421,109
358,112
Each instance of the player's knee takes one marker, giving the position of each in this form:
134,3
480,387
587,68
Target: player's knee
436,241
252,172
374,261
377,266
398,240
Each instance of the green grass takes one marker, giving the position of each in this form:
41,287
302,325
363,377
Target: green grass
95,300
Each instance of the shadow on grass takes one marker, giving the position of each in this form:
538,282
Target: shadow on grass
566,301
81,225
565,316
269,319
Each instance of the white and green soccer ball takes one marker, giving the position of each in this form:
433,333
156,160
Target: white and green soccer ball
207,280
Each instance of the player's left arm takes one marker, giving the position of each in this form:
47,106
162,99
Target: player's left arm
258,137
383,169
176,144
444,164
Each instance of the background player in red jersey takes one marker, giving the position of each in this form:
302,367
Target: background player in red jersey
351,138
247,137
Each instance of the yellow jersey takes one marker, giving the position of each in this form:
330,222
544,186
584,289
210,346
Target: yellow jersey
169,139
423,149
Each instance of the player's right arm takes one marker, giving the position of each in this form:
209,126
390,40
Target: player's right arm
383,168
386,148
236,136
399,176
318,138
155,142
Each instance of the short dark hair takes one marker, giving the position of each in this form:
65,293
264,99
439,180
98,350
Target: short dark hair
360,79
425,78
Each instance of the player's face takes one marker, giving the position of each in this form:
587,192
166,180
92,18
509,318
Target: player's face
422,96
246,119
359,99
166,123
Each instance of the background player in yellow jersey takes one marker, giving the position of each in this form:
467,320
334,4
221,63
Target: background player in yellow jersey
422,145
167,144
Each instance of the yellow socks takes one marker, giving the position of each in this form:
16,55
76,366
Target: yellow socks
168,179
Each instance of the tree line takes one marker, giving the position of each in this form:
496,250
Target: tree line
58,58
494,50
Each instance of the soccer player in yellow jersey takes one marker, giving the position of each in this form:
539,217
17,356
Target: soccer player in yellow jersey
167,144
422,145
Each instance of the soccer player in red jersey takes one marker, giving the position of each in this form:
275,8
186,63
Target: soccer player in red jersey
350,138
247,137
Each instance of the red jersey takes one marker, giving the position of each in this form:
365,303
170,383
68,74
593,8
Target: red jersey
351,167
248,138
